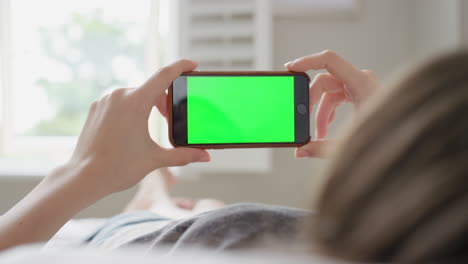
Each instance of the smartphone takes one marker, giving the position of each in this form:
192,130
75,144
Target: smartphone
213,110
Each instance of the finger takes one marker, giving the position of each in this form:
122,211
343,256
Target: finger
161,104
313,149
327,106
160,81
323,82
332,117
182,156
334,64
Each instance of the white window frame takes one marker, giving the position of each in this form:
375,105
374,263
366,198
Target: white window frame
298,11
42,146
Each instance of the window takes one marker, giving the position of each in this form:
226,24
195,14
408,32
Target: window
56,57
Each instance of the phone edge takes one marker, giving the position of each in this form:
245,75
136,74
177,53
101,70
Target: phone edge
229,146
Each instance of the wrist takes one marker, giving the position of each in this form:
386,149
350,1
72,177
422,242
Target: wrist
57,198
76,179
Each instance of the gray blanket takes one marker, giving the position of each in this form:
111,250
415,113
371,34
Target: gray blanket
232,227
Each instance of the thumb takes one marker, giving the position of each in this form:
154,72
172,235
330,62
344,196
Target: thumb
183,156
314,149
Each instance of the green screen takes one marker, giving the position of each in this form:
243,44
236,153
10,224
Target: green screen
240,109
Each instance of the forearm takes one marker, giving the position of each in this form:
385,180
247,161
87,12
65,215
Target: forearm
46,208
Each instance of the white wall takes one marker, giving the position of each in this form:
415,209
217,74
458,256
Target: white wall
377,38
437,26
384,35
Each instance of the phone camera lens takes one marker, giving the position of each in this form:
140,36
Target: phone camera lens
302,109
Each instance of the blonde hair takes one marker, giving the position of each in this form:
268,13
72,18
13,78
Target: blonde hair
397,187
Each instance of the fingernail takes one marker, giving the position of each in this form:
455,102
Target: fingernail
300,153
288,63
204,157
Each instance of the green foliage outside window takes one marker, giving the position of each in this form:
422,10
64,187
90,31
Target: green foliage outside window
98,44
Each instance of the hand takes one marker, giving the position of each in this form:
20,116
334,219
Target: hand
341,83
115,144
114,152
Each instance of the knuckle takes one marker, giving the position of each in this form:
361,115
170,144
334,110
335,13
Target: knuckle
329,54
167,71
370,74
117,93
104,96
94,105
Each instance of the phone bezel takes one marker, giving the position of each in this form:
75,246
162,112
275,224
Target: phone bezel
177,111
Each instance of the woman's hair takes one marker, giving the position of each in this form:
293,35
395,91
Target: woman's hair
397,185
